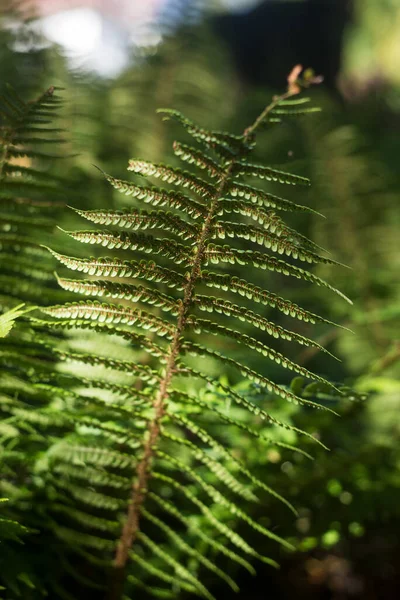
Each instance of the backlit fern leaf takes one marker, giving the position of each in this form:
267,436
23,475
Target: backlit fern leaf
30,203
144,440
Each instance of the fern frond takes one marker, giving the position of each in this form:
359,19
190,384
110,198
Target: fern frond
134,424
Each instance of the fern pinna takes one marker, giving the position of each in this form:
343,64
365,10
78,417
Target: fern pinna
144,424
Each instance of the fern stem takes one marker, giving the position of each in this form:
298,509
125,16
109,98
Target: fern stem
139,490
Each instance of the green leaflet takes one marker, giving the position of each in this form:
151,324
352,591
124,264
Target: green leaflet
135,241
255,293
233,537
180,396
250,170
171,175
189,550
169,508
161,574
276,243
125,291
110,313
179,569
216,254
93,476
8,319
270,221
199,350
137,370
203,325
224,143
197,158
262,198
110,267
241,400
225,307
219,498
82,455
219,470
208,439
142,219
159,197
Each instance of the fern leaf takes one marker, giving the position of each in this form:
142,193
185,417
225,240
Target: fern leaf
213,543
110,313
159,197
180,570
232,536
141,219
182,545
203,325
7,319
171,175
225,307
275,243
250,170
255,293
124,291
110,267
197,158
216,254
134,419
130,241
262,198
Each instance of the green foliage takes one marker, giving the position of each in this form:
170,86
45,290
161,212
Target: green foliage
7,319
129,427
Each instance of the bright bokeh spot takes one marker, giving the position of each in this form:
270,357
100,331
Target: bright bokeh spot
79,30
88,40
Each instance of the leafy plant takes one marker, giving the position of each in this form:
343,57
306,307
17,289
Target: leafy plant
119,418
29,210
